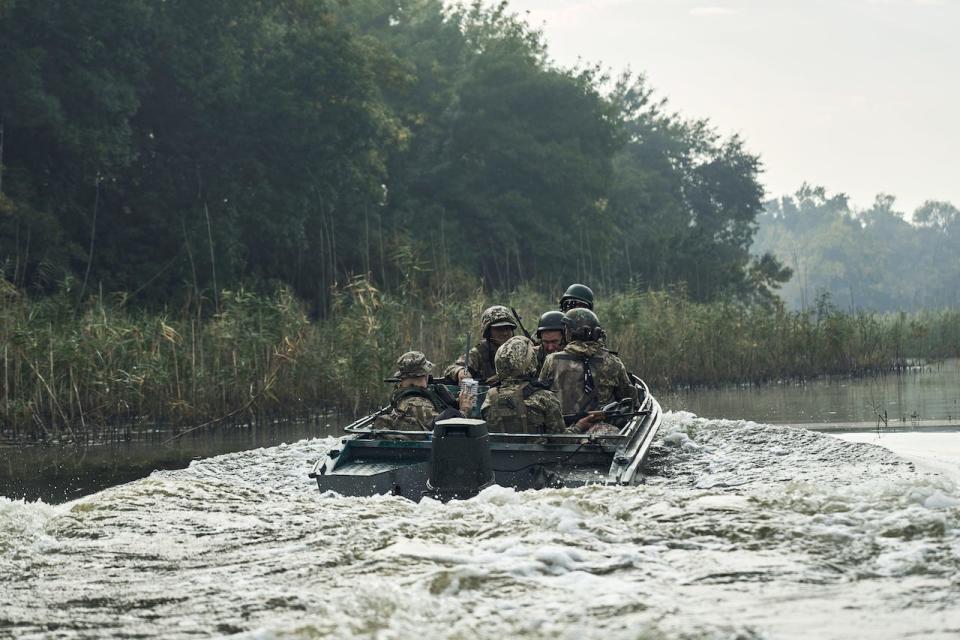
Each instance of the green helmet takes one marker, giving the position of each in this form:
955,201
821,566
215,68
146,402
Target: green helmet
550,321
577,295
496,316
583,324
412,364
515,358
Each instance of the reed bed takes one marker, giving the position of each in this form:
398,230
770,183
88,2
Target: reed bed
105,371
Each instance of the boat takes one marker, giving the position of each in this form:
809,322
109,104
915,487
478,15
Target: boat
459,457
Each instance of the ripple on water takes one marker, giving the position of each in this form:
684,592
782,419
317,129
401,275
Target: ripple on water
743,530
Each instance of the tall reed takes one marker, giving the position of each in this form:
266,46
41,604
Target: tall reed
107,371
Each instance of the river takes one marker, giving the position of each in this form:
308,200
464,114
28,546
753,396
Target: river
743,530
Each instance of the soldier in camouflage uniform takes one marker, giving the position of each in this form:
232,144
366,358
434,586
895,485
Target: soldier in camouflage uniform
550,333
585,376
496,327
521,404
414,403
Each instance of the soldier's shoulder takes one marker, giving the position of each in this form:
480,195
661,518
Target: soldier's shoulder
611,356
415,401
544,398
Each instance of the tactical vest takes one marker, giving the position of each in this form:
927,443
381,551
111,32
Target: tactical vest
589,401
429,393
508,411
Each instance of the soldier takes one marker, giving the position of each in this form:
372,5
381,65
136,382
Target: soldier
521,404
585,376
550,333
496,327
577,296
415,403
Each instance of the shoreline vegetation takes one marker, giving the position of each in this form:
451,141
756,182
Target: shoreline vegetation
435,148
103,371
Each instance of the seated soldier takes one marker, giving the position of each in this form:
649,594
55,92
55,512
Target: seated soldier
550,333
585,376
577,296
415,403
496,327
520,404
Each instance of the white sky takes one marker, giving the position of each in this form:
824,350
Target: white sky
860,96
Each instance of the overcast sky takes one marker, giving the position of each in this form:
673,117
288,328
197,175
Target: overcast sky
860,96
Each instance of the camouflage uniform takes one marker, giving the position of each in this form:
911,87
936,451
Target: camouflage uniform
520,404
541,358
480,359
412,408
480,363
565,372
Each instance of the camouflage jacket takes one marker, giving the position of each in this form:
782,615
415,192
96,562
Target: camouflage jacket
541,357
521,406
565,371
481,363
411,409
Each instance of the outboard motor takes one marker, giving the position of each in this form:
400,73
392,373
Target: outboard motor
460,465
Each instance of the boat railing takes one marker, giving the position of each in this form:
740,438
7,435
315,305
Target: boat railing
362,425
560,438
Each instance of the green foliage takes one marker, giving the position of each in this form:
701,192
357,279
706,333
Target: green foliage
871,259
152,145
109,371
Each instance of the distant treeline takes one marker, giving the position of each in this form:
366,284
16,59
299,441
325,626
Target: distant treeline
872,259
105,370
161,147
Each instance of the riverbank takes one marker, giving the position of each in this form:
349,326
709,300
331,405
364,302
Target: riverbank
102,370
920,404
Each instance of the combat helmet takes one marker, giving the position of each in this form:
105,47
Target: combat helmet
516,358
577,295
583,325
412,364
496,316
550,321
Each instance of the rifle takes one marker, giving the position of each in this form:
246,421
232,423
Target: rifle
517,317
616,411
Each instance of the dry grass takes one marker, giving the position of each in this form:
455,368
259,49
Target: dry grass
104,371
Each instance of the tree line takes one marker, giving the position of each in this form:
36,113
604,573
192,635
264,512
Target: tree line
876,258
171,148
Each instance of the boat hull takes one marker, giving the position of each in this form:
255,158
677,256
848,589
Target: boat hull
368,462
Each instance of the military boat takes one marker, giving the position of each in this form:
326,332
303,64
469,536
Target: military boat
459,457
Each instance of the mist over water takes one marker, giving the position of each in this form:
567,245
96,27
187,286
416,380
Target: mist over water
743,530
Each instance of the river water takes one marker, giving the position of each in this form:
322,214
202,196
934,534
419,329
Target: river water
742,531
925,395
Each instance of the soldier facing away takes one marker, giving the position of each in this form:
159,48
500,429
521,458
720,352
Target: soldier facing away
496,327
521,404
585,376
415,403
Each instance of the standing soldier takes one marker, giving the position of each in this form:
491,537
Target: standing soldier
415,402
496,327
521,404
585,376
550,333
